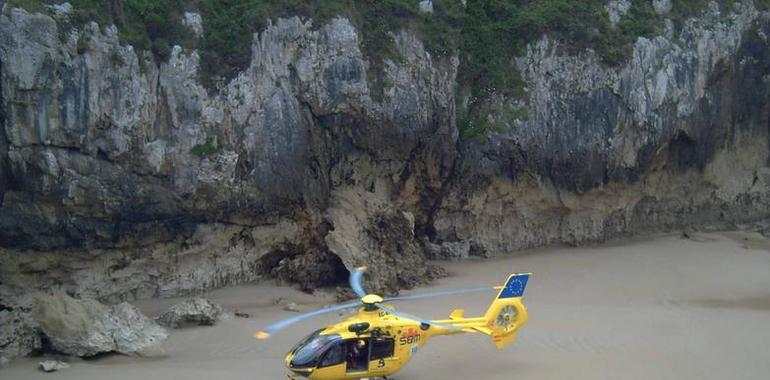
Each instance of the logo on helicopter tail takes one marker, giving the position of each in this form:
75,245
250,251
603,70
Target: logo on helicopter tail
410,336
515,286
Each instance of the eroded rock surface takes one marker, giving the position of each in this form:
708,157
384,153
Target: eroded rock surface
194,311
87,328
19,335
368,232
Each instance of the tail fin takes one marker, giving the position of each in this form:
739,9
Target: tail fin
507,313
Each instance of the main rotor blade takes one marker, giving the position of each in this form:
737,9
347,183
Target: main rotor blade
355,281
416,318
440,293
270,330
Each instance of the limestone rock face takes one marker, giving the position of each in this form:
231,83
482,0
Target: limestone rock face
87,327
194,311
122,177
102,175
194,22
676,137
662,6
426,6
616,9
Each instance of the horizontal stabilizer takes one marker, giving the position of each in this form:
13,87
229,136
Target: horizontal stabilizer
457,314
483,330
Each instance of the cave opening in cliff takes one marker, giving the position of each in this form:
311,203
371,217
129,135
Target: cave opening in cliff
682,152
309,268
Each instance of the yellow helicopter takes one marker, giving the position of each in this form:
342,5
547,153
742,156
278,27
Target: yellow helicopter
378,341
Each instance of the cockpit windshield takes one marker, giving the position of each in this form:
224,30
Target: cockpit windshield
309,351
307,339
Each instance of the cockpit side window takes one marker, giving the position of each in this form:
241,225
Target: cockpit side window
334,355
309,353
382,348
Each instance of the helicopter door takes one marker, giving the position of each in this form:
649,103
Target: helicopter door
381,355
357,355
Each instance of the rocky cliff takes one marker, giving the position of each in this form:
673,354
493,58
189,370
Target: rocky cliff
122,176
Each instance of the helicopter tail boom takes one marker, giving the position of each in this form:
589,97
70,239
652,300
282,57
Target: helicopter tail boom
502,320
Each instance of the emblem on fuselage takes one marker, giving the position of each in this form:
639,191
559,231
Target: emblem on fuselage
411,336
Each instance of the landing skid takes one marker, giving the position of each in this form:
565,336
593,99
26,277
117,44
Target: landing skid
291,377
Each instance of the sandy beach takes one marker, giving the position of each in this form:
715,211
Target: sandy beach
661,307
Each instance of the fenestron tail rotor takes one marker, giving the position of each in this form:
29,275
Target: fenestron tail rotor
506,317
371,302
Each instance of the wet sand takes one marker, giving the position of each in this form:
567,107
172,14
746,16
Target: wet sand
655,308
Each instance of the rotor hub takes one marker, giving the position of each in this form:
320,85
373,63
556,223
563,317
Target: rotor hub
371,299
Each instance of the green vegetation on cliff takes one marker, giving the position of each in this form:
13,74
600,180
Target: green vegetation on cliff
486,34
209,148
153,25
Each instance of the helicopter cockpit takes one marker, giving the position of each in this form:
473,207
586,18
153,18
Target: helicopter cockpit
319,351
307,353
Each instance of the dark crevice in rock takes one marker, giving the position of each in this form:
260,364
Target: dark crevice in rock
145,233
163,119
4,166
428,228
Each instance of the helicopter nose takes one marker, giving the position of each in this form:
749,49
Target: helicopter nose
303,373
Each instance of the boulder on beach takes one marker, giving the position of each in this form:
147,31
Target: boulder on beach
134,333
52,365
286,304
84,327
19,335
192,312
291,306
